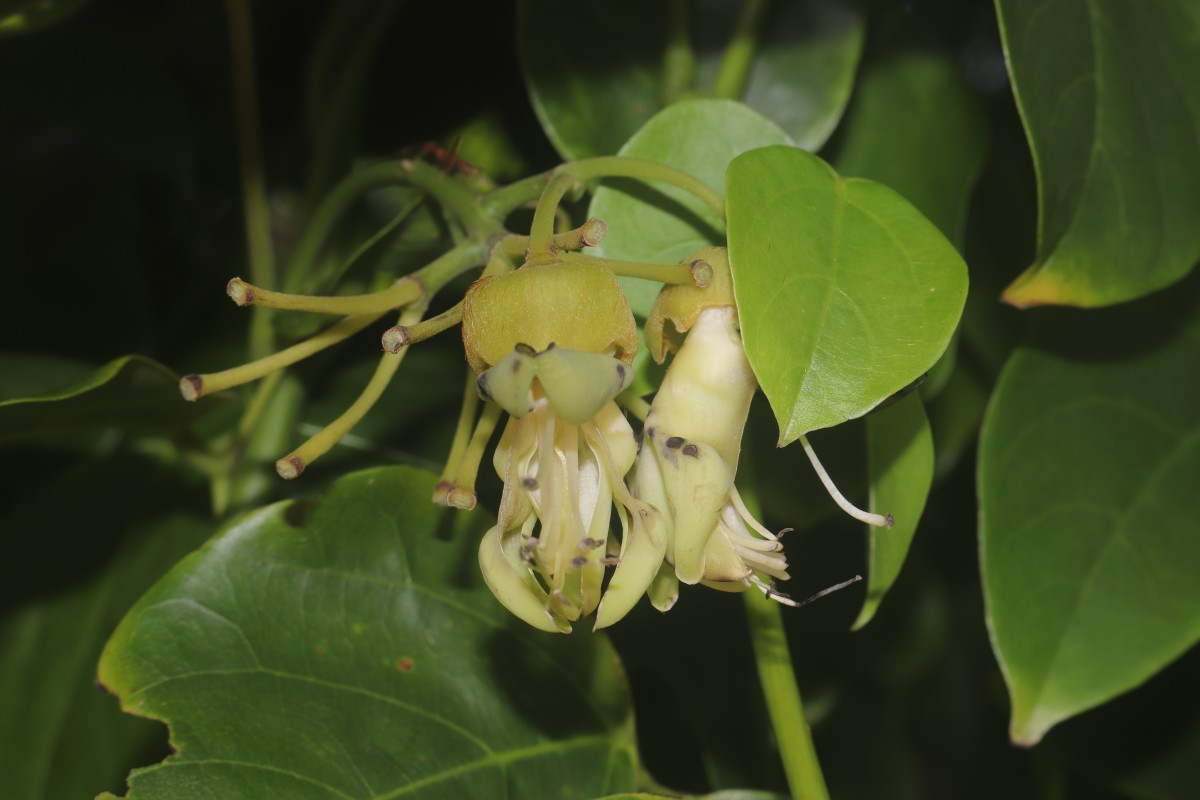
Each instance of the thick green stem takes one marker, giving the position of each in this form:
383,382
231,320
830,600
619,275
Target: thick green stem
783,699
541,231
333,206
648,171
453,196
739,54
261,252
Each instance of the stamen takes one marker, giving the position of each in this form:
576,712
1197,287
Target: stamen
331,434
878,520
675,274
468,465
195,386
400,336
462,435
736,500
402,292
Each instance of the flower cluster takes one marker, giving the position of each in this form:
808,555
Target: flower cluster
552,345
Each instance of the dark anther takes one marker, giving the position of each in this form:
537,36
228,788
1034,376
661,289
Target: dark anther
525,349
529,483
578,561
621,371
650,433
481,384
691,450
675,442
590,543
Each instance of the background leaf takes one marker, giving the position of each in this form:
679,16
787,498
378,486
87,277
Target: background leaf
916,126
900,471
1106,93
591,100
664,224
132,392
350,648
1088,465
846,293
118,523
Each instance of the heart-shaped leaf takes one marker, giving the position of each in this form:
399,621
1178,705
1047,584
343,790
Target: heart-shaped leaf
1088,468
1107,93
900,471
133,393
662,223
846,293
350,649
591,99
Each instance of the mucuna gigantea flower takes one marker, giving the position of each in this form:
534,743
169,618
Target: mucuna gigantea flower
692,439
552,345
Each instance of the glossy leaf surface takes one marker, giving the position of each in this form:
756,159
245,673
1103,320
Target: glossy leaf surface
1107,93
846,293
1088,468
900,472
664,224
349,649
590,99
133,392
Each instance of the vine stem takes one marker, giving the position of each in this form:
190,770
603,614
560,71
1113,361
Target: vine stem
784,705
261,252
739,54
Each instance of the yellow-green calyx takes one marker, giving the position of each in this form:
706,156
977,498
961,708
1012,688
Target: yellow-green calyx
691,444
574,306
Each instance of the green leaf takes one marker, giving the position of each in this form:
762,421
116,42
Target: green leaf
1106,91
900,469
350,649
132,392
81,545
591,99
846,293
665,224
916,126
1088,468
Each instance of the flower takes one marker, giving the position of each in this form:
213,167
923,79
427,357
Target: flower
552,345
692,440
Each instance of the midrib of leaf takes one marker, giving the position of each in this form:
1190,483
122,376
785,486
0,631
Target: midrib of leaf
1118,533
826,300
276,673
501,758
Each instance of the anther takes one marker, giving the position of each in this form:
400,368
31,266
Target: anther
578,561
691,450
240,292
589,543
191,387
396,338
461,498
675,442
529,483
289,468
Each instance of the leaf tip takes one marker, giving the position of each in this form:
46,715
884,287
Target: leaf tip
1038,286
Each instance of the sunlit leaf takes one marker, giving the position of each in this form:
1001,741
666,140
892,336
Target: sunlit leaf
845,292
1088,468
663,224
1107,93
349,648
